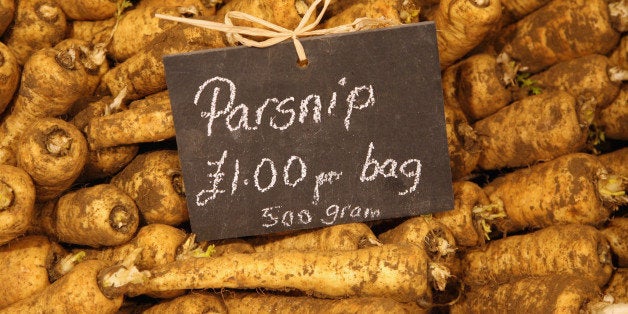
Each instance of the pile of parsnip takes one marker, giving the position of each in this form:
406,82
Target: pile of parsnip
93,216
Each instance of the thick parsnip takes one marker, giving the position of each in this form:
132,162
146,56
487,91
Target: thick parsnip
462,143
90,10
384,9
147,120
7,10
100,215
37,24
616,232
559,31
536,128
463,24
154,181
77,292
192,303
581,192
616,161
9,75
544,294
476,84
469,220
36,97
613,119
53,153
26,263
17,202
617,287
578,250
590,77
270,303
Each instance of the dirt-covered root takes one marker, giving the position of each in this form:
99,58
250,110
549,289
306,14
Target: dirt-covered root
17,202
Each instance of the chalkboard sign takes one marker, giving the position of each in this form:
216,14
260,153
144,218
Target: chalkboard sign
267,145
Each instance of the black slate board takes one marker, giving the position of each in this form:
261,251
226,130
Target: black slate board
388,100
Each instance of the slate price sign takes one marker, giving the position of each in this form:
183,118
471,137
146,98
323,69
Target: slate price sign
356,135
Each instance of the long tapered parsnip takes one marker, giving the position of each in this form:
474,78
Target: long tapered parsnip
53,153
36,99
578,250
340,237
9,75
559,31
463,24
536,128
582,192
17,202
100,215
77,292
469,220
544,294
400,272
26,263
37,24
141,123
154,181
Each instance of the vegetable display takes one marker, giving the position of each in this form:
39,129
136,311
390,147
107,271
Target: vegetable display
93,213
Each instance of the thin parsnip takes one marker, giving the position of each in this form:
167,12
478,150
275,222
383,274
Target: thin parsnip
9,76
53,153
100,215
400,272
17,202
26,263
536,128
351,236
154,181
76,292
582,192
578,250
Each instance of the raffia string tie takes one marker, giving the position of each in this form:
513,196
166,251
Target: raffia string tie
275,33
